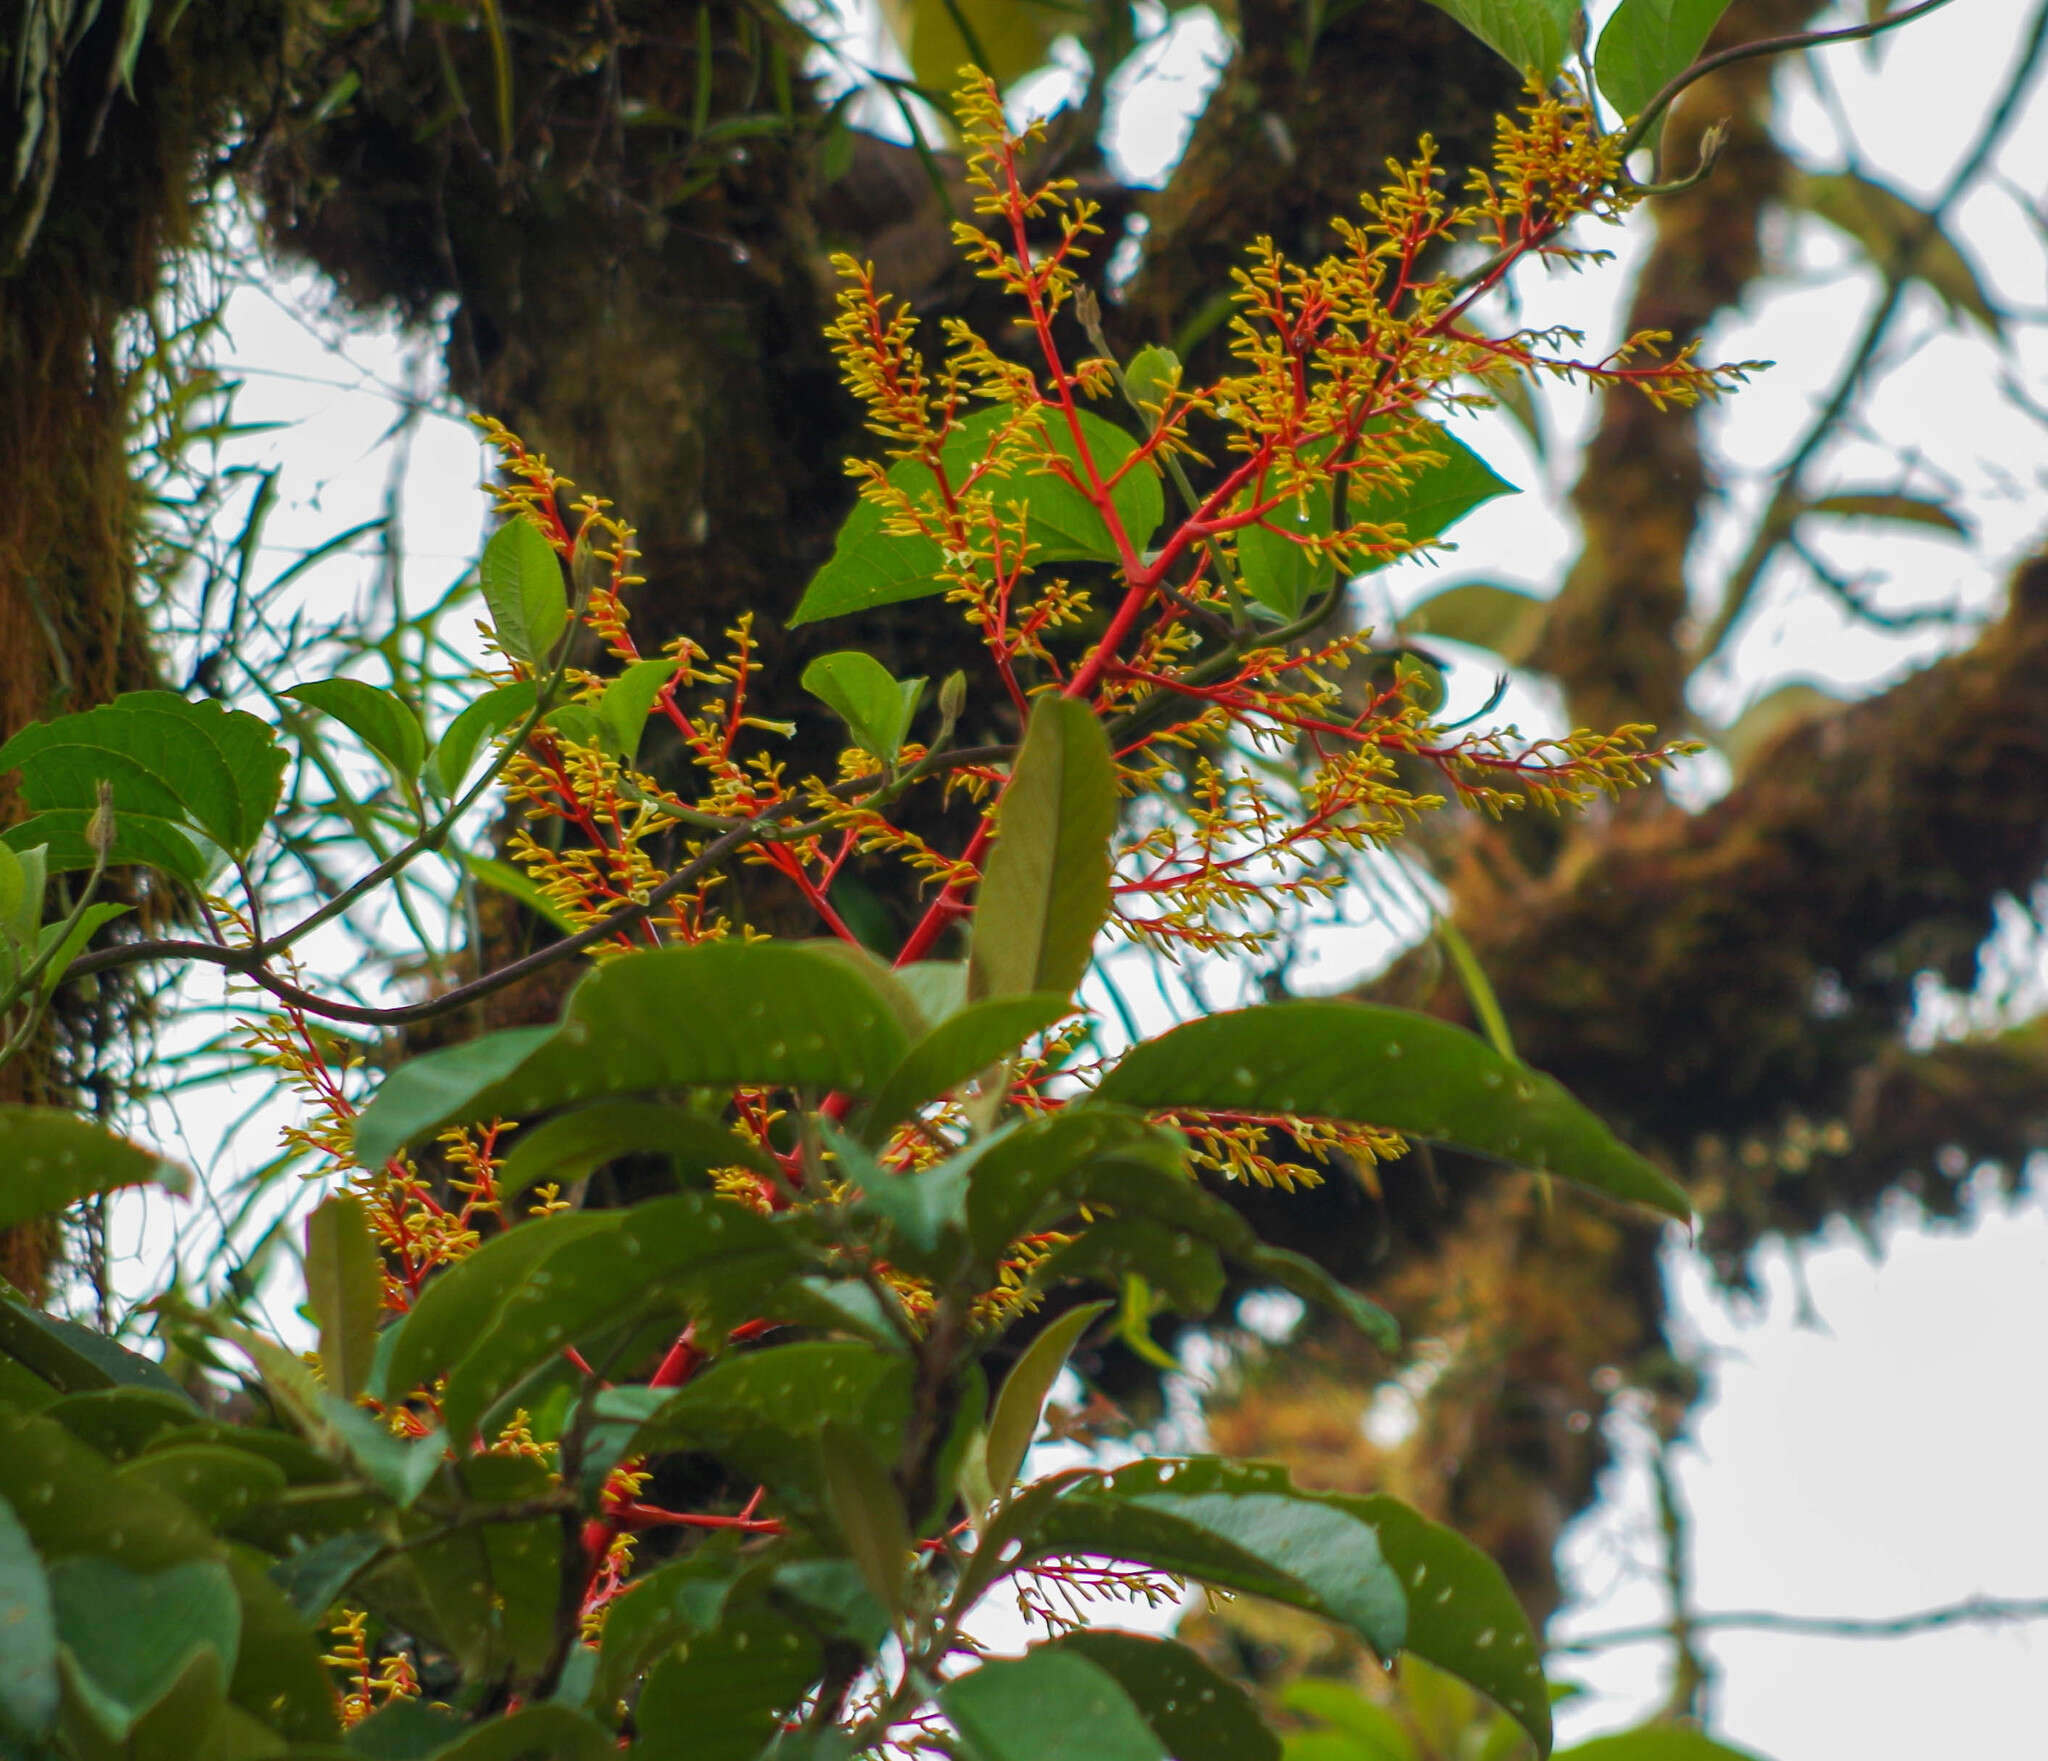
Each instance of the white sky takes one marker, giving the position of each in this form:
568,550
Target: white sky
1876,1445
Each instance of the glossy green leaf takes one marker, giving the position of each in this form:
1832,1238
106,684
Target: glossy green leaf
718,1697
1240,1527
629,700
676,1601
1406,1072
1275,568
870,566
120,1423
1505,619
937,987
1528,33
167,759
1462,1615
1150,376
535,1733
866,1509
683,1255
1649,42
1019,1406
963,1045
457,1307
875,707
1196,1713
1185,1274
1051,1701
381,719
522,584
218,1484
75,1359
1045,888
771,1014
28,1634
135,1632
53,1159
405,1730
278,1676
762,1412
573,1145
22,885
344,1289
925,1208
1025,1183
490,714
401,1467
494,1587
1655,1743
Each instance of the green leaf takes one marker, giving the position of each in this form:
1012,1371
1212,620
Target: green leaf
718,1697
405,1730
138,839
21,896
1019,1406
135,1633
344,1289
718,1015
1528,33
629,700
457,1307
1045,889
963,1045
925,1208
494,1586
490,714
1276,570
875,707
1150,376
866,1509
381,719
69,1500
1198,1714
73,944
1462,1615
1436,496
198,764
1373,1065
314,1577
1051,1701
1912,510
870,566
691,1253
573,1145
400,1467
122,1422
28,1635
74,1359
278,1677
762,1413
1369,1732
1504,619
535,1733
218,1484
1029,1180
1654,1743
53,1159
1647,43
522,583
1892,231
677,1601
1241,1527
938,988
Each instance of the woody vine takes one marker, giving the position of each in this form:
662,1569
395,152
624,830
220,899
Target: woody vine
447,1525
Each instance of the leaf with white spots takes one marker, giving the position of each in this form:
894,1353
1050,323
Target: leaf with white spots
1389,1067
1195,1712
50,1159
719,1015
1462,1616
